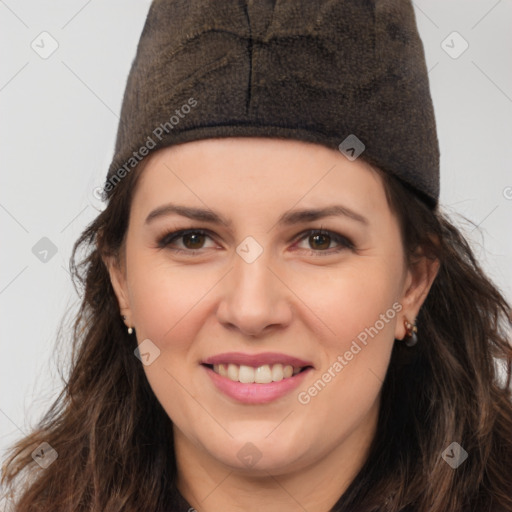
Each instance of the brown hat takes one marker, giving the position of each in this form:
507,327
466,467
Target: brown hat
348,74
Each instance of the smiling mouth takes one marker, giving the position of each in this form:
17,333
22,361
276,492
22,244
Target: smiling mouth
264,374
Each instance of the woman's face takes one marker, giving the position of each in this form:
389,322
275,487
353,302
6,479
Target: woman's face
258,292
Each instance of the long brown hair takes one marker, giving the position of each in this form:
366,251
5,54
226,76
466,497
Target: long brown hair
114,440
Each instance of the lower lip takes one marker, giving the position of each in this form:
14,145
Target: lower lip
255,393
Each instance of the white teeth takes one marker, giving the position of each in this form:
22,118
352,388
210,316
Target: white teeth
287,371
223,370
233,372
277,372
246,374
264,374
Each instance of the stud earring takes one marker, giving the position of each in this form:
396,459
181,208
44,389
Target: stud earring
130,329
410,335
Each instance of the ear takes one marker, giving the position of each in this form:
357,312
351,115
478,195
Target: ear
117,275
421,273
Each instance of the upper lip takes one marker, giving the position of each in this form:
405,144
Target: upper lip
256,360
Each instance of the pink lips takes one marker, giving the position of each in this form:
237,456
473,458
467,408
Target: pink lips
255,393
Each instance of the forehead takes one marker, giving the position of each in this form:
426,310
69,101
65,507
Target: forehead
247,171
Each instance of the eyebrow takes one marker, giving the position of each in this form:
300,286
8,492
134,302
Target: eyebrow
288,218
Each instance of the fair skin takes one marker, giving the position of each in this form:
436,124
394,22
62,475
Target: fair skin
299,297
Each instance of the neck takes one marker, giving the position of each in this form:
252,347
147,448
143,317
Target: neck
209,485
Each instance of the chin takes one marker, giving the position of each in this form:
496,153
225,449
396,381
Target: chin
259,456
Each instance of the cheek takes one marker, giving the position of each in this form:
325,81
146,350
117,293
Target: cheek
168,309
358,315
165,299
356,301
348,303
173,306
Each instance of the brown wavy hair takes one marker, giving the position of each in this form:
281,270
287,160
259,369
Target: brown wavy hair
114,440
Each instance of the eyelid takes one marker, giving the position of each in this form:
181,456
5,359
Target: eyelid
169,236
343,242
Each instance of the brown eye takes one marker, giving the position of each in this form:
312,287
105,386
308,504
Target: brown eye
184,240
193,240
319,242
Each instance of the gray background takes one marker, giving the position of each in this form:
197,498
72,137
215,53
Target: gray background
58,123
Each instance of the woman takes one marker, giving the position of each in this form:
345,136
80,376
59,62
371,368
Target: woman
276,313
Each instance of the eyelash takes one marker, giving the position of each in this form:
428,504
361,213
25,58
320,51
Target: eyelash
165,240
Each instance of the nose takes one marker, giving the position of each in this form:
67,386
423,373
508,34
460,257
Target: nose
255,298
